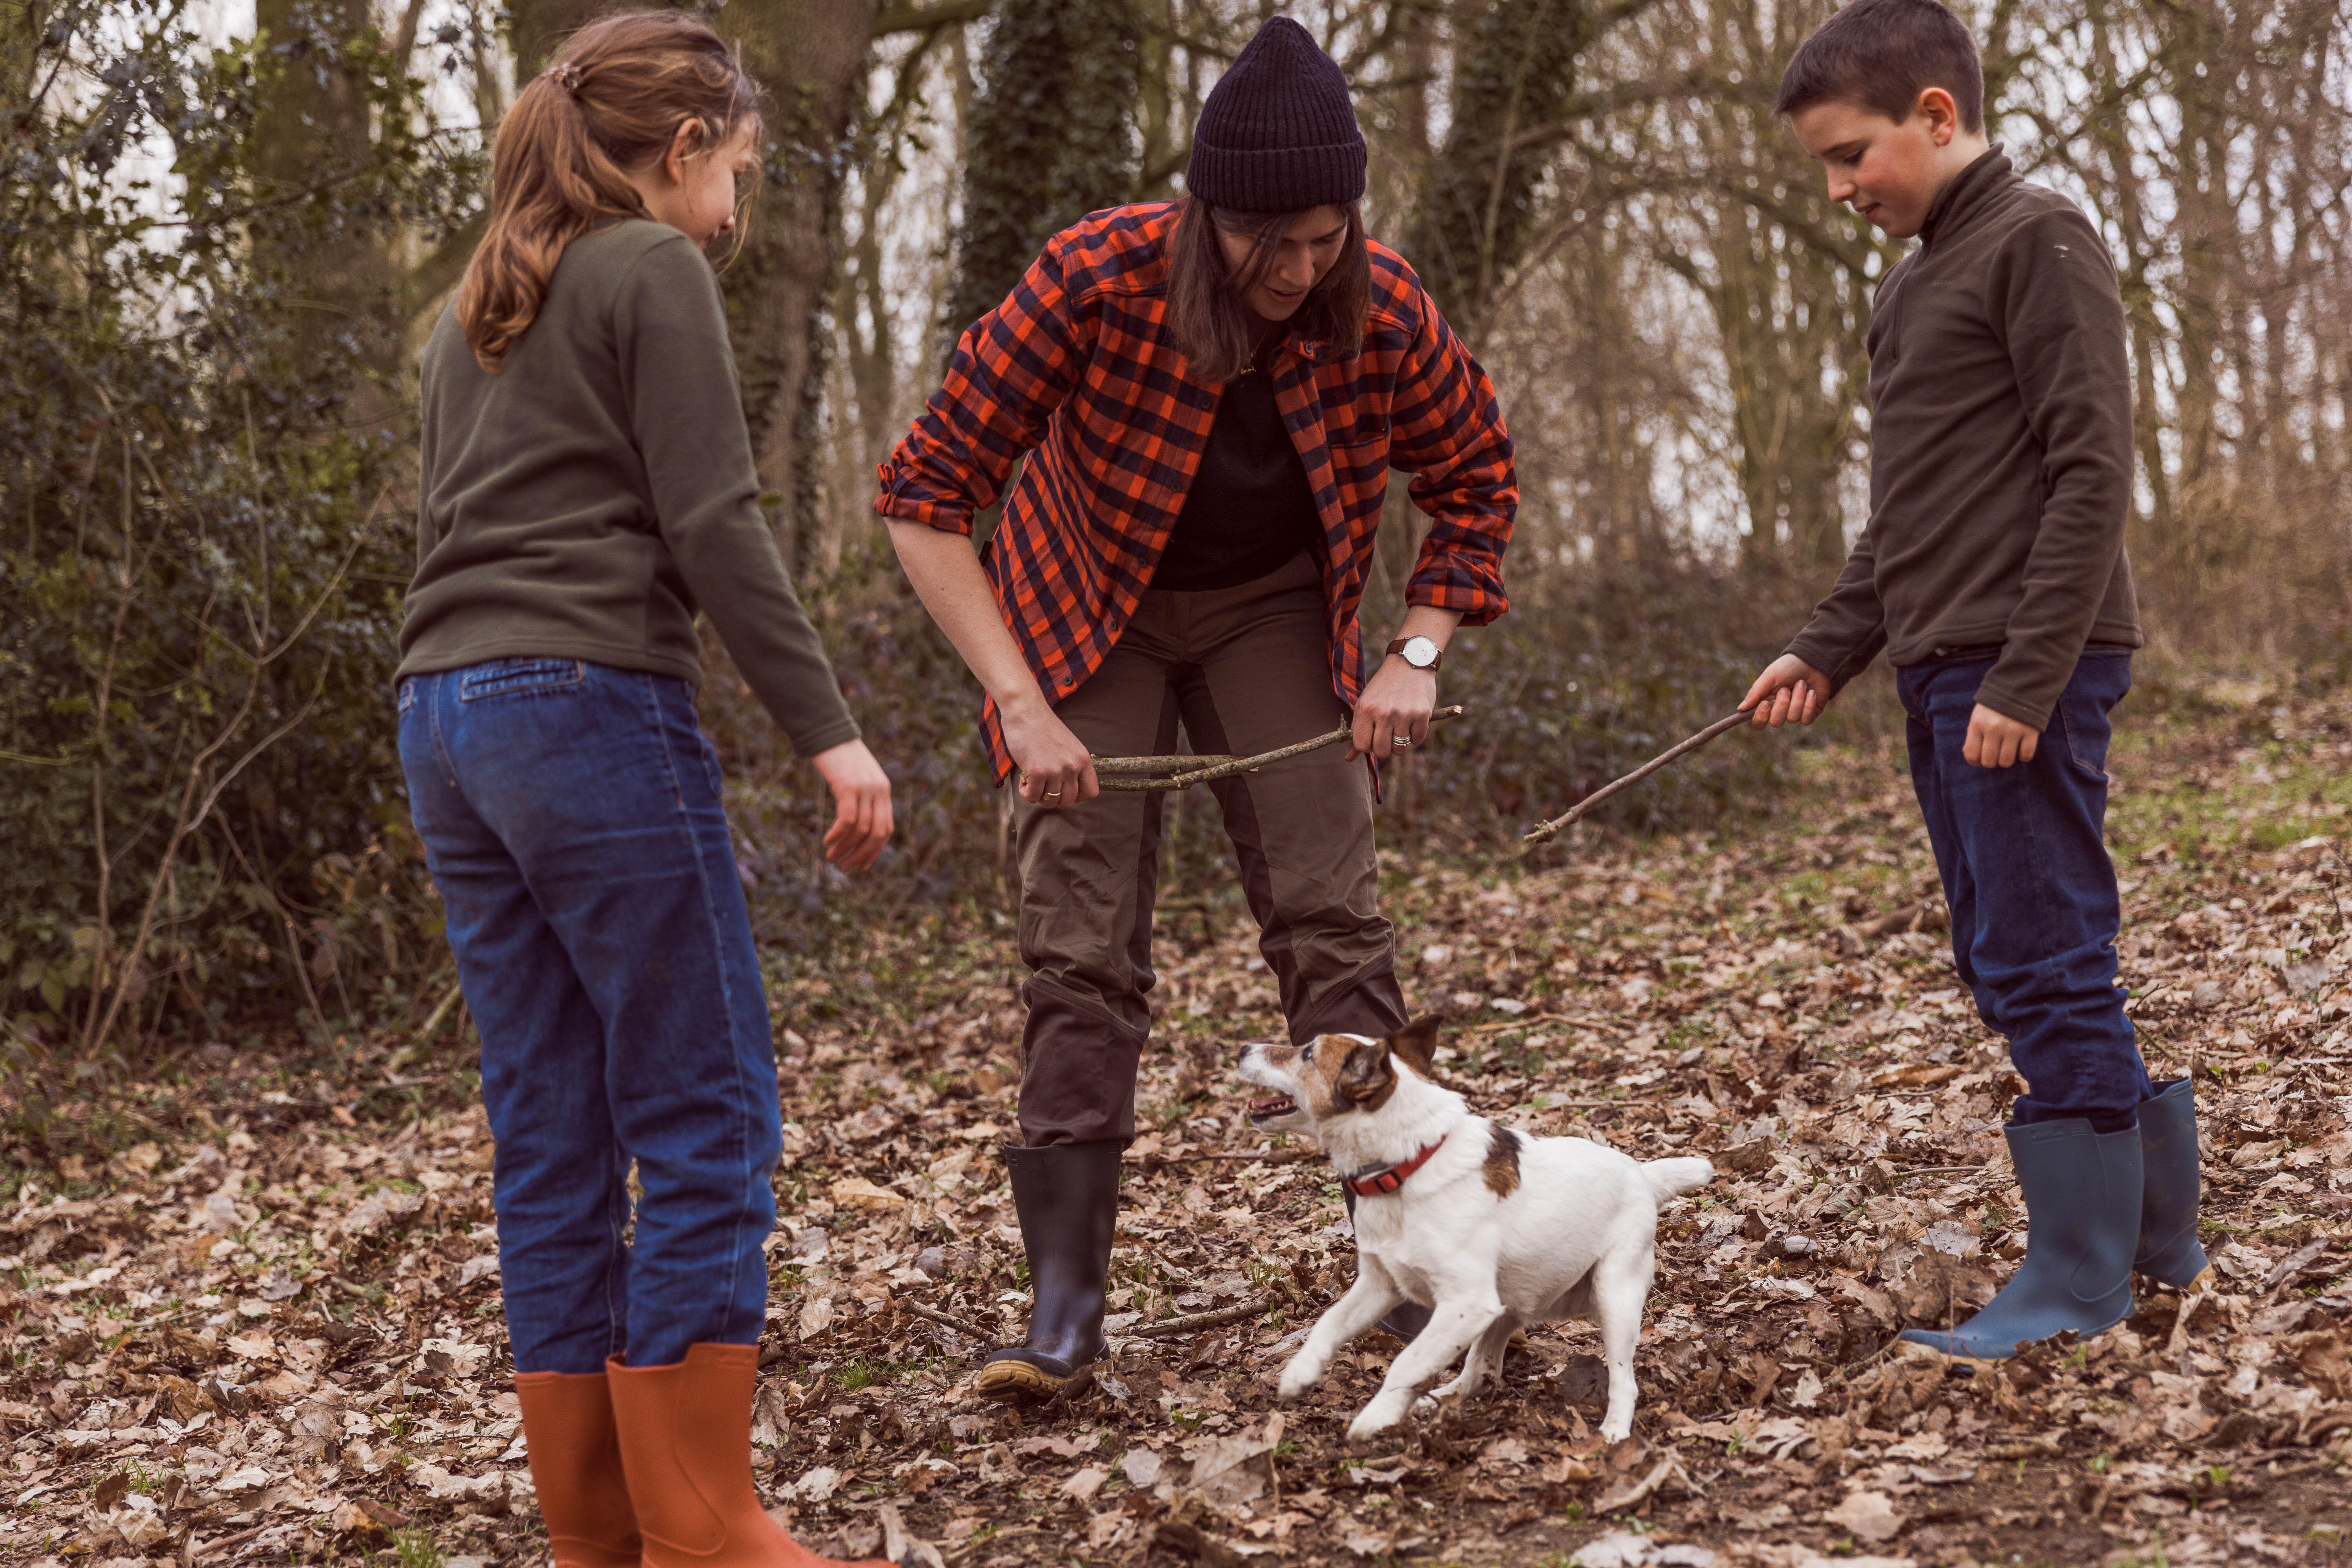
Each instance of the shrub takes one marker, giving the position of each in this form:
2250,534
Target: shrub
203,557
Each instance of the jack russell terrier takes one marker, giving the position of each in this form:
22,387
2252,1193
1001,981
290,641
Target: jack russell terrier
1490,1228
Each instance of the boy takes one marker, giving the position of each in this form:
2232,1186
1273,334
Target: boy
1993,573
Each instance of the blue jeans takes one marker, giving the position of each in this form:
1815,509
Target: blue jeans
2024,858
572,819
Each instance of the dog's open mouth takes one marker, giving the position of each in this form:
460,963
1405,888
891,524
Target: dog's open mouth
1268,1109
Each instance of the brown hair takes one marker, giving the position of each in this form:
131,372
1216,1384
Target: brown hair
1204,296
612,102
1881,55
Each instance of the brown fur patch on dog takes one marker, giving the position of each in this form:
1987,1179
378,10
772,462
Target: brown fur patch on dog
1503,1161
1363,1079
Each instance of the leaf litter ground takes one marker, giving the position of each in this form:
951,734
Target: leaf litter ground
258,1319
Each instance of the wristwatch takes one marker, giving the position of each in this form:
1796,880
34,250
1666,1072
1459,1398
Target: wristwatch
1418,652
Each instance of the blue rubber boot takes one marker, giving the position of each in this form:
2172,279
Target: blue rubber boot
2082,1206
2169,1251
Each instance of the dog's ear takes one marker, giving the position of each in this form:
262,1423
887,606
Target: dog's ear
1417,1043
1367,1077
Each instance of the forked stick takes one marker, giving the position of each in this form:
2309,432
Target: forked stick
1545,832
1113,772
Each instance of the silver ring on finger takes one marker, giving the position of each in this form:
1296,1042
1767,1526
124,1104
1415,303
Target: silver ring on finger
1400,744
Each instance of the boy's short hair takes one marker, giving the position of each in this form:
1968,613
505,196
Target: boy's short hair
1881,55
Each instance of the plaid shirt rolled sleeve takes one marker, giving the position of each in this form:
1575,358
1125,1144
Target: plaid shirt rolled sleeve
1011,371
1077,370
1449,434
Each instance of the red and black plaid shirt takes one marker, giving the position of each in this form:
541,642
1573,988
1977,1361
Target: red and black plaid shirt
1079,369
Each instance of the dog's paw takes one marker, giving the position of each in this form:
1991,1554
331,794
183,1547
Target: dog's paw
1617,1431
1299,1376
1380,1416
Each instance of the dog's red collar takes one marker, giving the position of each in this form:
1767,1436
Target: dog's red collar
1374,1183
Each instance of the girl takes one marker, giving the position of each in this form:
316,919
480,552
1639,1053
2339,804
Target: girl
587,484
1214,390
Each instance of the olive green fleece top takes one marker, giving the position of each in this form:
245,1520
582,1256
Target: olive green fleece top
2000,451
583,502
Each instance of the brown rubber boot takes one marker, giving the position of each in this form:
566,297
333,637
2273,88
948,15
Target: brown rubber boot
685,1444
576,1463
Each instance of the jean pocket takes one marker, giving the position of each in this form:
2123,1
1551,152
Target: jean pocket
521,677
2084,724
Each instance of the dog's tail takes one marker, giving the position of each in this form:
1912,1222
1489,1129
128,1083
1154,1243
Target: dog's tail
1672,1178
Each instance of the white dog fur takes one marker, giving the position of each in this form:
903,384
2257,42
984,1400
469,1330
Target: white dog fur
1496,1230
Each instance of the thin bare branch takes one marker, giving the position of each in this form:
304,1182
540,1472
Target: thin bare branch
1221,767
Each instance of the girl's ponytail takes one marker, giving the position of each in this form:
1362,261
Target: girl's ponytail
610,104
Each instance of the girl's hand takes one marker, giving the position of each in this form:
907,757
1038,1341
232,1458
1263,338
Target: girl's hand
1393,715
1051,766
861,794
1789,692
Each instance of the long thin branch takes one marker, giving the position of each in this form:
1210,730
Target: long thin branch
1219,767
193,812
98,763
1182,761
1197,1321
1544,833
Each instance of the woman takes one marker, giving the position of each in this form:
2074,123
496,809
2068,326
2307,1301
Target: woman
1209,394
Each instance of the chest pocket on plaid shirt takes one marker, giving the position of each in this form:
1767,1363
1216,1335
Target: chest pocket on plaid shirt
1359,451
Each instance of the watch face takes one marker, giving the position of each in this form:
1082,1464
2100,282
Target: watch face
1420,652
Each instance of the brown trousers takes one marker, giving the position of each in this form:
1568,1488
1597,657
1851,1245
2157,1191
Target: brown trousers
1244,671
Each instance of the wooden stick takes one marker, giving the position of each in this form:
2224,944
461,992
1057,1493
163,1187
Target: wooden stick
440,1012
944,1320
1179,763
1271,1157
1216,1319
1544,833
194,1551
1225,767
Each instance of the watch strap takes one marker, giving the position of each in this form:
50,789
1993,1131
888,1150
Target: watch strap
1398,647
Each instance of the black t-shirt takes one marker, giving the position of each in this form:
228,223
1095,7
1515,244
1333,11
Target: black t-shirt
1250,509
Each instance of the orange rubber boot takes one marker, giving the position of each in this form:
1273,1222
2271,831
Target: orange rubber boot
576,1463
685,1443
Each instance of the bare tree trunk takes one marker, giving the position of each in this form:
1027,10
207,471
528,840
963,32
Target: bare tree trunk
20,33
812,56
535,27
1514,69
316,128
1052,138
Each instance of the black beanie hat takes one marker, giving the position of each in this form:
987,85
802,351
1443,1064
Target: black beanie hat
1278,134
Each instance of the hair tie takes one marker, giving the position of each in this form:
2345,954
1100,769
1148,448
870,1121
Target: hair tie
566,75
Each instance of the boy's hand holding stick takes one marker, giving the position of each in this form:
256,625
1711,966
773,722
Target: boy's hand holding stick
1789,691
